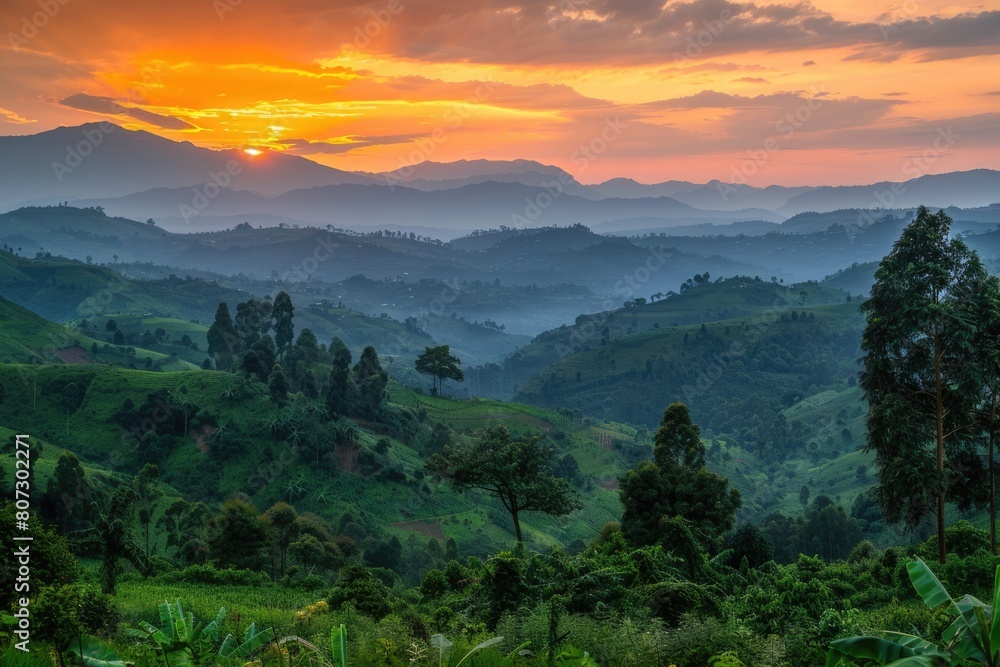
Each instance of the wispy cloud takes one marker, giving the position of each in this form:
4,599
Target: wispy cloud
109,106
14,118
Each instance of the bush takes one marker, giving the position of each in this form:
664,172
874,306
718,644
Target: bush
208,574
434,584
364,590
60,613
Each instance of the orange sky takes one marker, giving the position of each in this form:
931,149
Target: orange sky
827,92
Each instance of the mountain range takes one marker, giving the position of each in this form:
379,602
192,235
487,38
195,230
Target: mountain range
184,187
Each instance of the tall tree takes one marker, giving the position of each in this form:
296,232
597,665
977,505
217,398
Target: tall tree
440,364
67,495
988,347
253,320
114,532
282,520
284,331
922,374
371,381
517,472
277,384
676,485
338,386
223,343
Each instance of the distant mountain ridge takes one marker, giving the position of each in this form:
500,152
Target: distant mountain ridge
139,174
102,160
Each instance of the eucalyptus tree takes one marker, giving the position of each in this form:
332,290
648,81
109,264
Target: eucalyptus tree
923,374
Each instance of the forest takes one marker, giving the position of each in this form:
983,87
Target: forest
289,501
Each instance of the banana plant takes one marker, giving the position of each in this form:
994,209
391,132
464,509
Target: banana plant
338,645
443,648
252,642
87,651
179,638
973,637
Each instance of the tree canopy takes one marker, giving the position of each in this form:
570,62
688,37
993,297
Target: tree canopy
923,372
676,485
517,472
441,364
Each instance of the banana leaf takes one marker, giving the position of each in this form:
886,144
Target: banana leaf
897,649
92,652
338,645
479,647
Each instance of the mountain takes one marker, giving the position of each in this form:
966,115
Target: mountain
462,209
102,160
450,171
978,187
712,195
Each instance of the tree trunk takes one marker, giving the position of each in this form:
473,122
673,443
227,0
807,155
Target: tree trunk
517,527
942,550
993,478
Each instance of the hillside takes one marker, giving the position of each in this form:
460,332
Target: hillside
381,484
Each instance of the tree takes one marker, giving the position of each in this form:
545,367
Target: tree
277,384
284,331
515,471
71,397
253,320
371,381
338,386
282,519
922,375
676,485
441,364
114,532
309,385
223,343
678,441
67,495
238,537
988,347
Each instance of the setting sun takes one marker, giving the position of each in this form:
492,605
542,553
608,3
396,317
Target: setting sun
252,151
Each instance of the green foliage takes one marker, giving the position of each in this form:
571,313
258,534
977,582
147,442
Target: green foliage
238,537
338,645
180,641
515,471
115,532
441,364
677,485
253,641
89,651
922,370
362,589
971,637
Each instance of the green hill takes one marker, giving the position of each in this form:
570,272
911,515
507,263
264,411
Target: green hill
231,447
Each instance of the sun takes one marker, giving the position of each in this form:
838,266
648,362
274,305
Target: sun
252,151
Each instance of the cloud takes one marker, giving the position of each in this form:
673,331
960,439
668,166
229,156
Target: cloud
107,105
14,118
809,63
750,79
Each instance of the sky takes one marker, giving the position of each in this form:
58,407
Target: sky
801,93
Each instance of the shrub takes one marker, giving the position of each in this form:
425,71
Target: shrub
208,574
